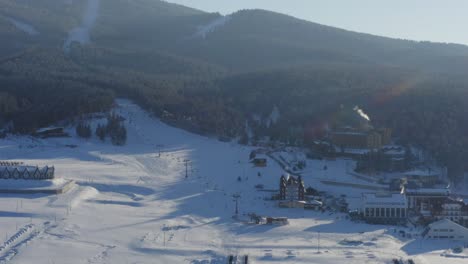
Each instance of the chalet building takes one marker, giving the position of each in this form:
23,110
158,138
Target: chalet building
385,208
8,171
446,229
291,188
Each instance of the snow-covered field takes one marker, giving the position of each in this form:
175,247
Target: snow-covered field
132,205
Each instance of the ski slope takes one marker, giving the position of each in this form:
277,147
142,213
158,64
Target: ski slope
21,25
205,30
81,34
134,204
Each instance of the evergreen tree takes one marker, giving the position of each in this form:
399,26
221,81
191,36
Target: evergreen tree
83,130
101,132
244,139
408,159
119,135
116,130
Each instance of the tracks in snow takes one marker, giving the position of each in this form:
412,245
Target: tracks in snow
20,239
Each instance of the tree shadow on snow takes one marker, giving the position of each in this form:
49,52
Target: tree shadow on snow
25,195
113,202
344,227
17,214
422,246
126,189
254,229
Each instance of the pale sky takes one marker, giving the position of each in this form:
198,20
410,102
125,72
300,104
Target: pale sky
433,20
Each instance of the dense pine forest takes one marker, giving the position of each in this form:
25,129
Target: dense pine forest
229,78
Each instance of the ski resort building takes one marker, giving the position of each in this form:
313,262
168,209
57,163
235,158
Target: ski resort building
425,177
356,139
422,198
291,188
453,210
385,208
18,171
446,229
351,138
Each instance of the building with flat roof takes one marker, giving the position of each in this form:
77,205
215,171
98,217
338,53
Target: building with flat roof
356,139
428,177
385,208
420,197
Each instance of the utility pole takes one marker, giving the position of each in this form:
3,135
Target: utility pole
318,242
236,199
164,234
186,161
159,146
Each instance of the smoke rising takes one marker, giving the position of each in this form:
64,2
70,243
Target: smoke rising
361,113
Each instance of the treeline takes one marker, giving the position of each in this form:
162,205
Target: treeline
427,111
432,115
28,104
115,129
45,86
76,85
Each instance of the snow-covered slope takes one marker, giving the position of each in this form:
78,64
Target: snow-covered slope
21,25
214,25
81,34
134,205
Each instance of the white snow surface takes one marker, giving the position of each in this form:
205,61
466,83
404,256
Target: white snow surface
214,25
31,184
81,34
21,25
132,205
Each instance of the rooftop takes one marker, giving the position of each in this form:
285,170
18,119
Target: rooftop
422,173
384,199
428,191
445,222
350,133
